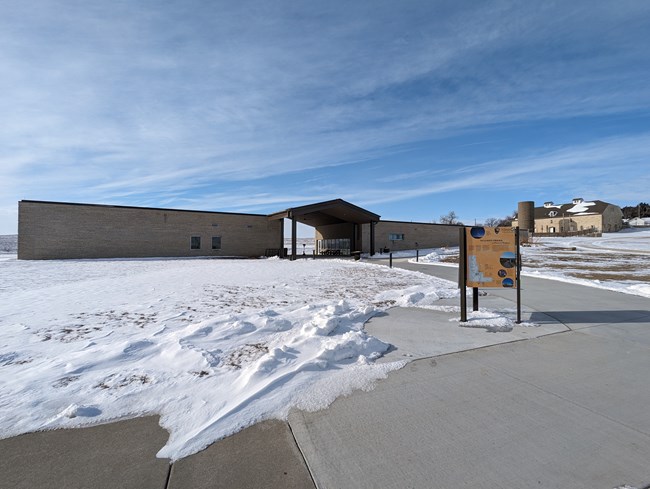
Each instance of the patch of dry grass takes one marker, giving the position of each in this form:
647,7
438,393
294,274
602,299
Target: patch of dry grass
590,265
584,264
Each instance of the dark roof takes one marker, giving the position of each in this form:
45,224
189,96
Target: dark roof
135,207
331,212
419,223
336,211
585,208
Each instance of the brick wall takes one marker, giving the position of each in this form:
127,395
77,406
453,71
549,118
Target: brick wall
48,230
424,234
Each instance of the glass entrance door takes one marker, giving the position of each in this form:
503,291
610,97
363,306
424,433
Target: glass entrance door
333,247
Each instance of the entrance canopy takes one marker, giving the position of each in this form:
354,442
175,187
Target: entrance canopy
336,211
328,213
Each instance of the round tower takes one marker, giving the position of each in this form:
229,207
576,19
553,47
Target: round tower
526,215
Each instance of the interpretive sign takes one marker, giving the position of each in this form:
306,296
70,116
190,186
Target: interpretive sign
491,257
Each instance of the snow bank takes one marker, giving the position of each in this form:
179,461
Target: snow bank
409,253
493,321
437,254
212,346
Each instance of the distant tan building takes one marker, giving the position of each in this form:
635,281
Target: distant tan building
60,230
580,215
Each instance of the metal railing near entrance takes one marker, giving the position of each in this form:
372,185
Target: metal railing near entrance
333,247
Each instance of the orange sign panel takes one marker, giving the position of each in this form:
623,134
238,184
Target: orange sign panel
491,257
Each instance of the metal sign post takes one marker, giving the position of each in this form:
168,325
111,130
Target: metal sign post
462,274
518,277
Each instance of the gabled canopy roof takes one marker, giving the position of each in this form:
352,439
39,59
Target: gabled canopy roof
336,211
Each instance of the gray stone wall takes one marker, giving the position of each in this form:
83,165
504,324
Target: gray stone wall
48,230
612,219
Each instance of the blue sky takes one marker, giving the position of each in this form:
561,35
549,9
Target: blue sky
410,109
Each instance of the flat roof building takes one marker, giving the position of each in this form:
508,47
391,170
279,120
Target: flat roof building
65,230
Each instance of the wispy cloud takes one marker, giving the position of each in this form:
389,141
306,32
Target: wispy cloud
586,169
121,99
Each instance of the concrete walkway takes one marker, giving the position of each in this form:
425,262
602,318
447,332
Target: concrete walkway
564,405
123,456
565,410
117,455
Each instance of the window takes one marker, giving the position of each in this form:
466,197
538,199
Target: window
395,237
216,242
195,243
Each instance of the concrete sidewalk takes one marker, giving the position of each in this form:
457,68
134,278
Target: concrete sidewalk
123,456
563,405
566,410
114,455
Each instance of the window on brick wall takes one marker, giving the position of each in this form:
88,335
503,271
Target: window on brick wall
395,237
195,243
216,242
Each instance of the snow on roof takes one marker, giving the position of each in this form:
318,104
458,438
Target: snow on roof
572,209
580,207
550,205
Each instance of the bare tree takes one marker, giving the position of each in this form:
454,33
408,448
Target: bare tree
492,222
450,218
507,221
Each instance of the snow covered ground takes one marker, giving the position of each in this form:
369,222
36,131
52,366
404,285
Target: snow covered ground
214,346
616,261
211,345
